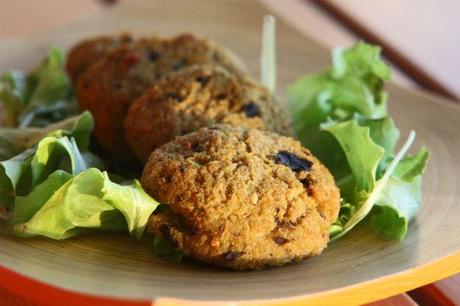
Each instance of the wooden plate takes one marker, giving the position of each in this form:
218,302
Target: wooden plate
113,269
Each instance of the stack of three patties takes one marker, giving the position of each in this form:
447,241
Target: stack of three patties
236,195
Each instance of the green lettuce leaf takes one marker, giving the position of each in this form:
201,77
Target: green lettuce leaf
40,97
162,248
13,90
363,157
27,206
363,61
412,166
352,87
60,149
132,201
51,189
363,190
48,82
64,206
341,115
363,162
398,203
21,173
400,200
14,141
384,133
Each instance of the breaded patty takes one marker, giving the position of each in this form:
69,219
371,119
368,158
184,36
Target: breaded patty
241,198
196,97
111,84
88,51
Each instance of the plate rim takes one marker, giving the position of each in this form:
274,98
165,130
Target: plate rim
40,292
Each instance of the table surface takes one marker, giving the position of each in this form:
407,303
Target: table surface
431,47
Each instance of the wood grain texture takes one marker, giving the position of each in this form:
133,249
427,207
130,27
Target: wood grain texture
357,269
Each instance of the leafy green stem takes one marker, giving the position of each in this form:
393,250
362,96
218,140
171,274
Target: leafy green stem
268,54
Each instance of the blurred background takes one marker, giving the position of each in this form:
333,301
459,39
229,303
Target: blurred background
421,39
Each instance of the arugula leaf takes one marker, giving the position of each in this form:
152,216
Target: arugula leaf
41,97
64,206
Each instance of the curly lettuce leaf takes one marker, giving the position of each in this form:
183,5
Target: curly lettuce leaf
40,97
64,206
363,61
363,162
21,173
398,203
27,206
341,115
412,166
132,201
60,149
382,132
13,141
352,87
400,200
51,189
364,190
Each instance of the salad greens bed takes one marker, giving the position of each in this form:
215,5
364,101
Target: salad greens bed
52,185
341,115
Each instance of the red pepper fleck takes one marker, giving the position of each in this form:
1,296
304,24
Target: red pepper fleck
132,59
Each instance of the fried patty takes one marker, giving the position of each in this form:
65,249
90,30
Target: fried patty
88,51
196,97
111,84
241,198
